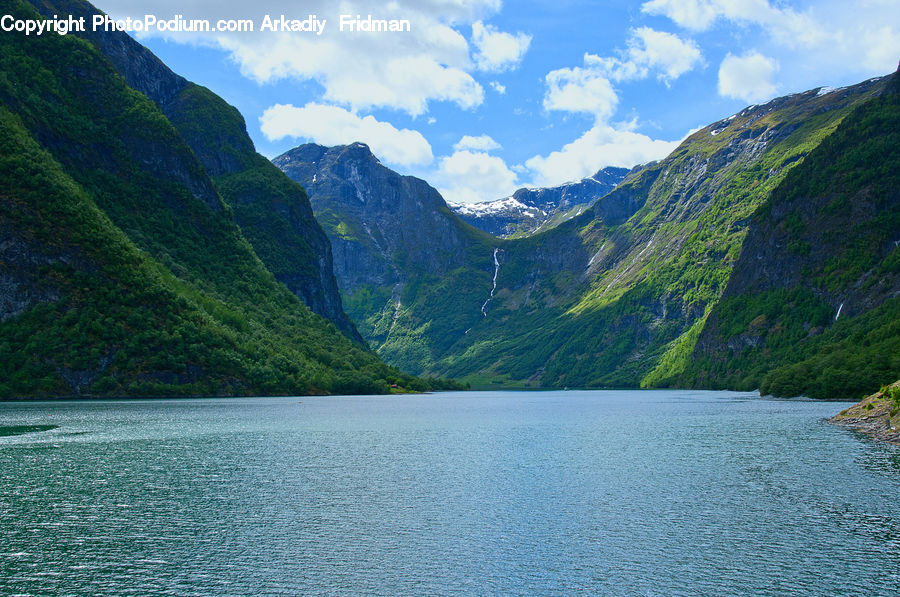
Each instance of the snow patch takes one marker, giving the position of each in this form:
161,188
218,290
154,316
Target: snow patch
826,90
489,207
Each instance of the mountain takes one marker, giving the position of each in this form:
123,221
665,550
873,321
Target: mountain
813,304
273,214
400,252
528,211
622,294
123,268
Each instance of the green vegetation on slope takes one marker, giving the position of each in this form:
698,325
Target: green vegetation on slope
823,244
128,276
618,296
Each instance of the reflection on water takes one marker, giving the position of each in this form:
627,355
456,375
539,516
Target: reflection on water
7,430
613,493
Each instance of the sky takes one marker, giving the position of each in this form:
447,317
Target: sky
481,97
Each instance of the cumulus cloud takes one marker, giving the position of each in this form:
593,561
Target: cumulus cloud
358,70
649,50
589,89
479,143
602,145
361,74
748,77
498,87
665,52
579,89
474,176
332,125
496,50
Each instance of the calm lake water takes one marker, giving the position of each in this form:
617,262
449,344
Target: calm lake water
609,493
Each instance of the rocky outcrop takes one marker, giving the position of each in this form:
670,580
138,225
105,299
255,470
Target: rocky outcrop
141,69
877,415
21,285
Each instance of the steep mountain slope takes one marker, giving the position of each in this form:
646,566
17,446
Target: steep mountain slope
617,296
528,211
121,269
400,252
813,305
273,213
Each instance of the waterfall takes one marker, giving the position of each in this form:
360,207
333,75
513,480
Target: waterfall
496,270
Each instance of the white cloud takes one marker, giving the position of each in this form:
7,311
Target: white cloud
602,145
479,143
832,42
363,75
692,14
649,50
472,176
580,90
665,52
748,77
331,125
589,89
882,49
405,71
496,50
498,87
785,24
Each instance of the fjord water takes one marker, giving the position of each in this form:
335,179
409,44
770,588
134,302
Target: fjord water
613,493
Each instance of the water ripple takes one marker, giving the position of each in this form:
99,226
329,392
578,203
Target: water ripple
612,493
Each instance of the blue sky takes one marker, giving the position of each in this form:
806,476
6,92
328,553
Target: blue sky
482,96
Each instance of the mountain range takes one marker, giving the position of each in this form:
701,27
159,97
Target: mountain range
689,272
146,249
531,210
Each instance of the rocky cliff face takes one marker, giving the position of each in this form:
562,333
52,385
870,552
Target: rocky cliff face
529,211
395,243
274,214
383,227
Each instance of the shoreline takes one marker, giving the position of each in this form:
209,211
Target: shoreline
874,415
